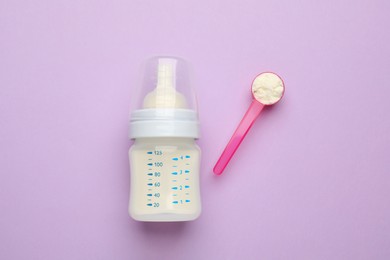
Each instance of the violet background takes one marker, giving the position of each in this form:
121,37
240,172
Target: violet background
310,181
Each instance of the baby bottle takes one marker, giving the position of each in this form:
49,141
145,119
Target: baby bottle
164,159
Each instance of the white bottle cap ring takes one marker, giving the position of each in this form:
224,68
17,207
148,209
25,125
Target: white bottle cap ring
164,123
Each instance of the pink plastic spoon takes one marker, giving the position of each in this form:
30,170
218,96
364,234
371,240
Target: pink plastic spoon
267,89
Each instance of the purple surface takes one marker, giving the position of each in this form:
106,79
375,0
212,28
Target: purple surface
311,180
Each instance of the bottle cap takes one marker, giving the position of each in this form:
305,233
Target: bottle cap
169,105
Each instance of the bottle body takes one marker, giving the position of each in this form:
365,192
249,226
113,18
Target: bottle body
164,183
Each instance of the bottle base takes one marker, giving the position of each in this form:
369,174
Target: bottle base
164,217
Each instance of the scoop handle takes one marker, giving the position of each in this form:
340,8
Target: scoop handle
246,123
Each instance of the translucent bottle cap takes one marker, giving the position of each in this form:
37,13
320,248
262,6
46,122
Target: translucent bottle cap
168,107
165,94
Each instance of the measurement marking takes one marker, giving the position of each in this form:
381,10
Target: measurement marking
175,202
150,194
187,186
150,174
149,179
150,164
187,193
174,180
149,189
174,173
187,201
187,171
149,152
175,158
150,184
187,156
174,166
150,169
174,188
187,164
174,195
150,159
149,199
149,204
187,179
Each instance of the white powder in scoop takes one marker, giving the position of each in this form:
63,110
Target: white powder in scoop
267,88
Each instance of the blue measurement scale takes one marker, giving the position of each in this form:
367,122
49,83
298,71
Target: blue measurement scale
153,177
181,176
168,176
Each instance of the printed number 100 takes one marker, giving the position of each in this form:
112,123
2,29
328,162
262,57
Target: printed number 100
158,164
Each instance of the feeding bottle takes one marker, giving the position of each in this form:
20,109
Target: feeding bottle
164,159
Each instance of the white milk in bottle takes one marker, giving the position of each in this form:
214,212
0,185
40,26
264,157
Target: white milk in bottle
164,159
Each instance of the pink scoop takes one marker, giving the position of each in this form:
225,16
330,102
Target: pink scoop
267,89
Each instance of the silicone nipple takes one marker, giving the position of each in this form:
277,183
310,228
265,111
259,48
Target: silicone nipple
165,94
